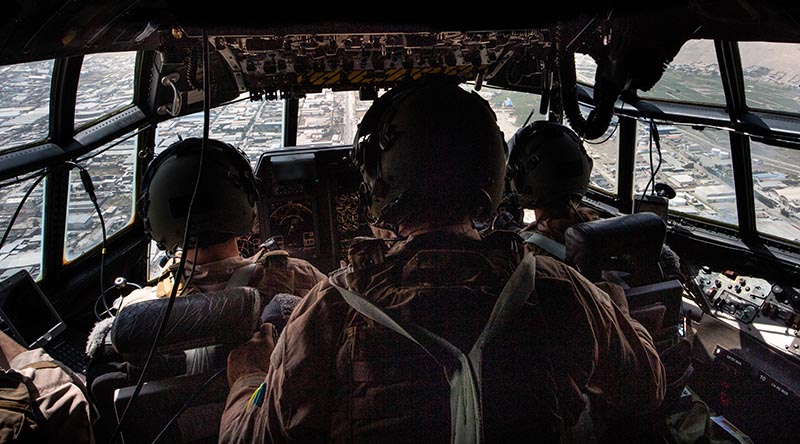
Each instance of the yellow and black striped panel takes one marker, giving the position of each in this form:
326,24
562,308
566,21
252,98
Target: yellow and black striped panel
337,78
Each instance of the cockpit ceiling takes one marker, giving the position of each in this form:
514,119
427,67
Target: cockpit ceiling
45,29
299,64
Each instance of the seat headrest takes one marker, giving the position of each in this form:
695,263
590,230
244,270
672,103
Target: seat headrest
629,243
225,317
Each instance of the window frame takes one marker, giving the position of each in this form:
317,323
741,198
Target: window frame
135,194
743,124
77,127
15,150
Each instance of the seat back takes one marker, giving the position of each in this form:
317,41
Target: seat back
228,317
216,321
630,244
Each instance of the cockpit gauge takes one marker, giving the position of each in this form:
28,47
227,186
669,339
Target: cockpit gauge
292,225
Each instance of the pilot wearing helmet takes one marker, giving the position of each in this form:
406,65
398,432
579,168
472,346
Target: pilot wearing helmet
223,209
549,172
438,335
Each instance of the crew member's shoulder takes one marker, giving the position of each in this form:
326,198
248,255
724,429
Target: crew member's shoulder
140,295
324,297
281,259
547,266
554,271
271,258
299,263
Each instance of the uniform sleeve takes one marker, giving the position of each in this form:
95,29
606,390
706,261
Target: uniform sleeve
243,421
61,399
604,351
628,373
297,400
306,276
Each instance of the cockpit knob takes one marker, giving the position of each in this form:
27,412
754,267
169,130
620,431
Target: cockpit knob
795,300
779,293
120,282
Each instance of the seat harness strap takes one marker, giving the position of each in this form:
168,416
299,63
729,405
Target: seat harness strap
463,372
241,276
556,249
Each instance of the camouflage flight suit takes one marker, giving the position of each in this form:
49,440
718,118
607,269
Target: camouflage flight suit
60,397
275,272
336,376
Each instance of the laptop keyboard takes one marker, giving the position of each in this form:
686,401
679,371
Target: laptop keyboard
68,354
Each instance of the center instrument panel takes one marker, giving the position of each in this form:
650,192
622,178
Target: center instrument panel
309,203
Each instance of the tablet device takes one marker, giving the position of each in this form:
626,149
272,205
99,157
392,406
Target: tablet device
29,317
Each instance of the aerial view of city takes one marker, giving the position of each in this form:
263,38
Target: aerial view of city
695,161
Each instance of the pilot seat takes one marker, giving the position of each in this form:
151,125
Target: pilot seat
628,250
211,324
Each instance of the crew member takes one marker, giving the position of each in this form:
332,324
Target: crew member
432,158
41,400
549,172
224,209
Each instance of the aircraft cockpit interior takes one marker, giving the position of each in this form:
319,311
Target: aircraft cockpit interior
689,112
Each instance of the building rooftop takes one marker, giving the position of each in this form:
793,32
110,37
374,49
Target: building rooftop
789,193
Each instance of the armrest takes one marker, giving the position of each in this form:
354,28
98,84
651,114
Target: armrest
668,293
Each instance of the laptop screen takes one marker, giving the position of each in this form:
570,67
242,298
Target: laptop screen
29,316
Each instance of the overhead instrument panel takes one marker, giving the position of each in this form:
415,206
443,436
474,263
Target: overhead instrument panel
282,66
298,64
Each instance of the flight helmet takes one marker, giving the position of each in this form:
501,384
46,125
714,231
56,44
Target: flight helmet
225,204
547,165
429,151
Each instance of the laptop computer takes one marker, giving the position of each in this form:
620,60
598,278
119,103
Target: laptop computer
28,316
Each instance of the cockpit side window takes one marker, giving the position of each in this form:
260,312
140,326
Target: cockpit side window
776,180
585,69
105,85
693,76
24,103
604,152
771,74
696,163
512,108
112,168
23,247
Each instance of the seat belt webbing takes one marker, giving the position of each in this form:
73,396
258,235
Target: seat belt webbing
556,249
464,378
241,276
